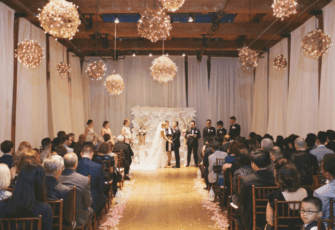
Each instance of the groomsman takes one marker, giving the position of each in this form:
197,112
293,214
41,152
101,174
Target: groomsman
208,131
221,132
235,129
176,143
192,135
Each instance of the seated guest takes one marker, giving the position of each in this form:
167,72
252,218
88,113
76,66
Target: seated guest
321,149
326,192
251,135
82,139
71,178
26,156
225,145
275,154
5,177
100,140
77,149
287,178
46,147
87,167
60,134
268,136
24,145
310,142
331,140
260,177
61,150
253,145
55,143
65,140
29,197
266,144
236,151
53,167
72,140
301,160
7,147
217,154
128,153
279,142
207,152
258,138
106,137
310,212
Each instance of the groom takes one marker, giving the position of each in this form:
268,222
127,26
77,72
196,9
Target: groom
168,132
176,143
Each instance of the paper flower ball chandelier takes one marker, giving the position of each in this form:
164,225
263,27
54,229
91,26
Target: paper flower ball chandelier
284,8
114,84
172,5
248,57
163,69
60,19
96,70
316,43
29,53
280,62
154,24
63,69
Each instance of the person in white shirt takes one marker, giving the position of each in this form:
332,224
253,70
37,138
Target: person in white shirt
217,154
65,142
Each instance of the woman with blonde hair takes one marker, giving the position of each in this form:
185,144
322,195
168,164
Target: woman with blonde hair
5,177
24,145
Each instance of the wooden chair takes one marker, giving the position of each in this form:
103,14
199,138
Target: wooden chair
319,180
120,167
331,213
106,166
57,213
287,214
259,202
69,211
231,210
328,221
219,173
22,223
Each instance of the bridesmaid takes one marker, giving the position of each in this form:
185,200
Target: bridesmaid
89,132
106,130
125,131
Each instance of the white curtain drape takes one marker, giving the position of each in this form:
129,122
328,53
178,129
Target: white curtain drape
326,119
140,90
278,90
59,90
302,110
260,97
31,105
76,96
231,93
7,70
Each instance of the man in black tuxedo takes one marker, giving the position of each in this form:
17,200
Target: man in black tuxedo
192,136
176,143
331,140
235,129
221,132
168,132
208,131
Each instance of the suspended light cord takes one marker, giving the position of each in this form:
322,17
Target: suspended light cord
96,29
263,32
115,43
163,46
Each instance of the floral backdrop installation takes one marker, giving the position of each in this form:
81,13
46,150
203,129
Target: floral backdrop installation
145,123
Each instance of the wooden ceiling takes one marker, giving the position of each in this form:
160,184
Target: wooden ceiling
253,20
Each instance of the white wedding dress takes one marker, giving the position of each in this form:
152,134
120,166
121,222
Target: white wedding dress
157,157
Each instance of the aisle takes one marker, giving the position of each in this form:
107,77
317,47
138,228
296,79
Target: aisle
165,199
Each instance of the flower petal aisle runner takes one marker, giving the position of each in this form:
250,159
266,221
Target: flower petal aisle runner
220,219
116,212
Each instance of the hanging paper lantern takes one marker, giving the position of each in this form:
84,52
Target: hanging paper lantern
280,62
172,5
60,19
114,84
96,70
248,57
316,43
29,53
284,8
63,69
163,69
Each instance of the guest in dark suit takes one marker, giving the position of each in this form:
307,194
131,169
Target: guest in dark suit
72,140
225,145
53,167
169,135
208,131
235,129
128,153
221,132
310,143
208,152
7,147
46,147
192,135
70,178
331,140
87,167
261,177
176,143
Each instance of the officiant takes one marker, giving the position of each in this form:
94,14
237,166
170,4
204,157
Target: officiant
192,135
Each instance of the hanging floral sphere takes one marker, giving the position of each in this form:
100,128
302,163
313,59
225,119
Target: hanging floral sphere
248,57
96,70
280,62
154,25
63,69
172,5
29,53
114,84
316,43
284,8
60,19
163,69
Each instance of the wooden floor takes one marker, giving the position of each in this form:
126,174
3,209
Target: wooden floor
165,199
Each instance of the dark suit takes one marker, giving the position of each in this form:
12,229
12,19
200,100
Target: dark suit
208,133
71,178
7,159
261,177
171,132
128,153
176,145
331,145
192,144
56,190
234,131
220,133
313,161
208,152
87,167
224,147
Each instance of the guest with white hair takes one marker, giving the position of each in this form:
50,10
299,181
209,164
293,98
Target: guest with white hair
275,154
266,144
128,153
53,167
4,182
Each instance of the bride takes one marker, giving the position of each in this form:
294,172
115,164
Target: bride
157,157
